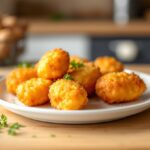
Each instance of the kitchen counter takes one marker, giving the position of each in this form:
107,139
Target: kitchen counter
128,133
92,28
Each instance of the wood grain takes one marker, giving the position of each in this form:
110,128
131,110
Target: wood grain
128,133
91,28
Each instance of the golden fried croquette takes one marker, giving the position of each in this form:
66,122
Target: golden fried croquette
54,64
108,64
18,76
67,95
34,91
119,87
87,77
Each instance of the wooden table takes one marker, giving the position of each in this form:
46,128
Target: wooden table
128,133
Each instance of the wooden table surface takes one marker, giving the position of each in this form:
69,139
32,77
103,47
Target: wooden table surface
128,133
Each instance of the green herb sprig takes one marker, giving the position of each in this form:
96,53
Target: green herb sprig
68,77
75,65
3,121
13,128
25,65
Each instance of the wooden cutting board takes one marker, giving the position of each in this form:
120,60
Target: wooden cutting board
128,133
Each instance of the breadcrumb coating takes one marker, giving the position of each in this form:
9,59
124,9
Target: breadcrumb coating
54,64
34,91
120,87
17,76
67,95
109,64
87,77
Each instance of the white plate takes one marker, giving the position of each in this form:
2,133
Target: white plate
96,111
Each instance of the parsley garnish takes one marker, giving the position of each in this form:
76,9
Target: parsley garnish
13,128
76,65
25,65
68,77
3,121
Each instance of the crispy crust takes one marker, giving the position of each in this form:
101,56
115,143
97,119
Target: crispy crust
108,64
120,87
87,77
53,65
67,95
18,76
34,91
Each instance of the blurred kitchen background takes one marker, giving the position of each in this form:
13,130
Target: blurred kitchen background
88,28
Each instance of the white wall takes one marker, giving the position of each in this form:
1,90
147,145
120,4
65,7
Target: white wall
37,45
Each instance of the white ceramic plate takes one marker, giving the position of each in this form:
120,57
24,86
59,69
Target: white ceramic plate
96,111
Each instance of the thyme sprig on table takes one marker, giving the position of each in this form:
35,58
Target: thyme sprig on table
3,121
12,129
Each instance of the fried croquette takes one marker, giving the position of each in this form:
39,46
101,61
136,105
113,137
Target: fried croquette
18,76
67,95
120,87
54,64
108,64
34,91
87,77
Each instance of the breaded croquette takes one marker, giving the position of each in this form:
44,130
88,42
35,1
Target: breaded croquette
34,91
67,95
120,87
18,76
87,77
108,64
54,64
